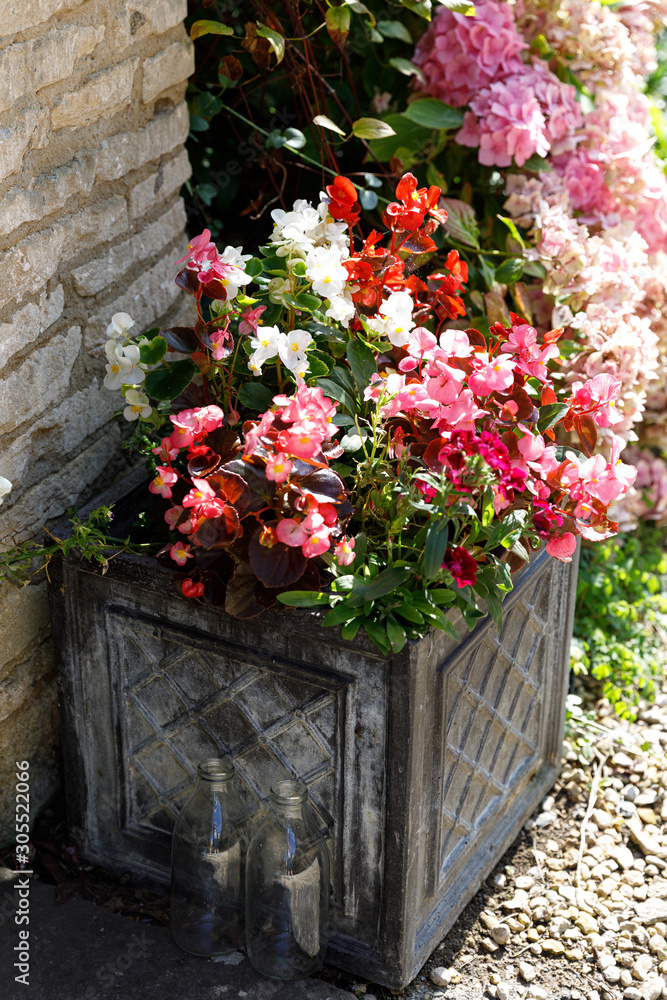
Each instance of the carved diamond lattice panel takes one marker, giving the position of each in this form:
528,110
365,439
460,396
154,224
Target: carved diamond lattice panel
179,704
493,706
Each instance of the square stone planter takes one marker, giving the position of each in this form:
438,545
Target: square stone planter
422,766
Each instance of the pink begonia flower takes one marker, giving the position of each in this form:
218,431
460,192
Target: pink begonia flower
223,343
291,532
201,420
250,319
598,395
599,479
163,482
421,342
456,343
200,493
199,249
461,414
278,468
531,359
444,382
303,440
181,437
180,553
344,552
191,589
492,376
626,474
172,516
165,451
562,547
317,543
328,513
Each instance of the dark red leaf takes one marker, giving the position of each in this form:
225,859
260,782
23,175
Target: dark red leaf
476,339
214,589
216,531
325,484
189,399
587,430
262,490
278,566
547,396
241,600
418,242
225,441
181,338
203,465
188,280
233,488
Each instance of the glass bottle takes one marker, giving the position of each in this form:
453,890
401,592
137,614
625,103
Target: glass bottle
287,888
210,842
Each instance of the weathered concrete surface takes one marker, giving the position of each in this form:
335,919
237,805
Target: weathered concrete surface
80,951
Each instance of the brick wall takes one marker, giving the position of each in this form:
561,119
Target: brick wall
92,125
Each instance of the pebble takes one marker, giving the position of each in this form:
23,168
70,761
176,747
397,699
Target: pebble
632,993
602,819
501,934
651,910
527,971
441,976
574,954
545,819
503,991
586,923
624,856
612,973
553,947
518,902
642,967
652,989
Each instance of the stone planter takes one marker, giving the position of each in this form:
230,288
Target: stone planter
422,766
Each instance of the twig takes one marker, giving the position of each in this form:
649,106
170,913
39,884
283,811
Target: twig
595,784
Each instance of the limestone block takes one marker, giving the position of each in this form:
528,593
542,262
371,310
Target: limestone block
29,730
58,432
24,614
128,151
103,270
166,68
19,15
30,263
169,177
52,496
29,323
101,95
26,67
149,296
47,192
142,18
24,130
41,380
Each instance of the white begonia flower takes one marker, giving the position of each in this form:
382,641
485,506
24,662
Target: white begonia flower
324,268
277,288
395,319
118,367
136,374
341,308
265,345
292,349
119,325
235,276
138,405
5,487
294,232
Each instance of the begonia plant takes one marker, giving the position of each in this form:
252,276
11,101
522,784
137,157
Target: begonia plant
334,433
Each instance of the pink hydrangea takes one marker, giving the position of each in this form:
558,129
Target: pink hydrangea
460,55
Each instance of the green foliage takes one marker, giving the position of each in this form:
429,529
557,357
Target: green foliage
621,616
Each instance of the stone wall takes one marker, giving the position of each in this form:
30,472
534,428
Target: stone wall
92,126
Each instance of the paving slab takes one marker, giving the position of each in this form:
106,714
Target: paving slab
80,951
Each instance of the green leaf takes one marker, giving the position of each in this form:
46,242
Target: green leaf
254,267
340,614
513,230
352,441
488,509
362,362
396,635
275,40
316,367
536,163
294,138
434,549
151,354
167,383
394,29
198,124
377,634
303,598
200,28
421,7
461,222
407,133
432,113
410,613
372,128
510,271
368,200
256,396
324,122
332,390
441,595
350,629
307,302
407,68
337,20
384,583
550,415
459,7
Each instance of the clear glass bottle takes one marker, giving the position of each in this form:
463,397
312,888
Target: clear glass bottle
287,888
208,856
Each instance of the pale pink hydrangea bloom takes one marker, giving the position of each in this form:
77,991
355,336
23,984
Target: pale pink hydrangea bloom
647,499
